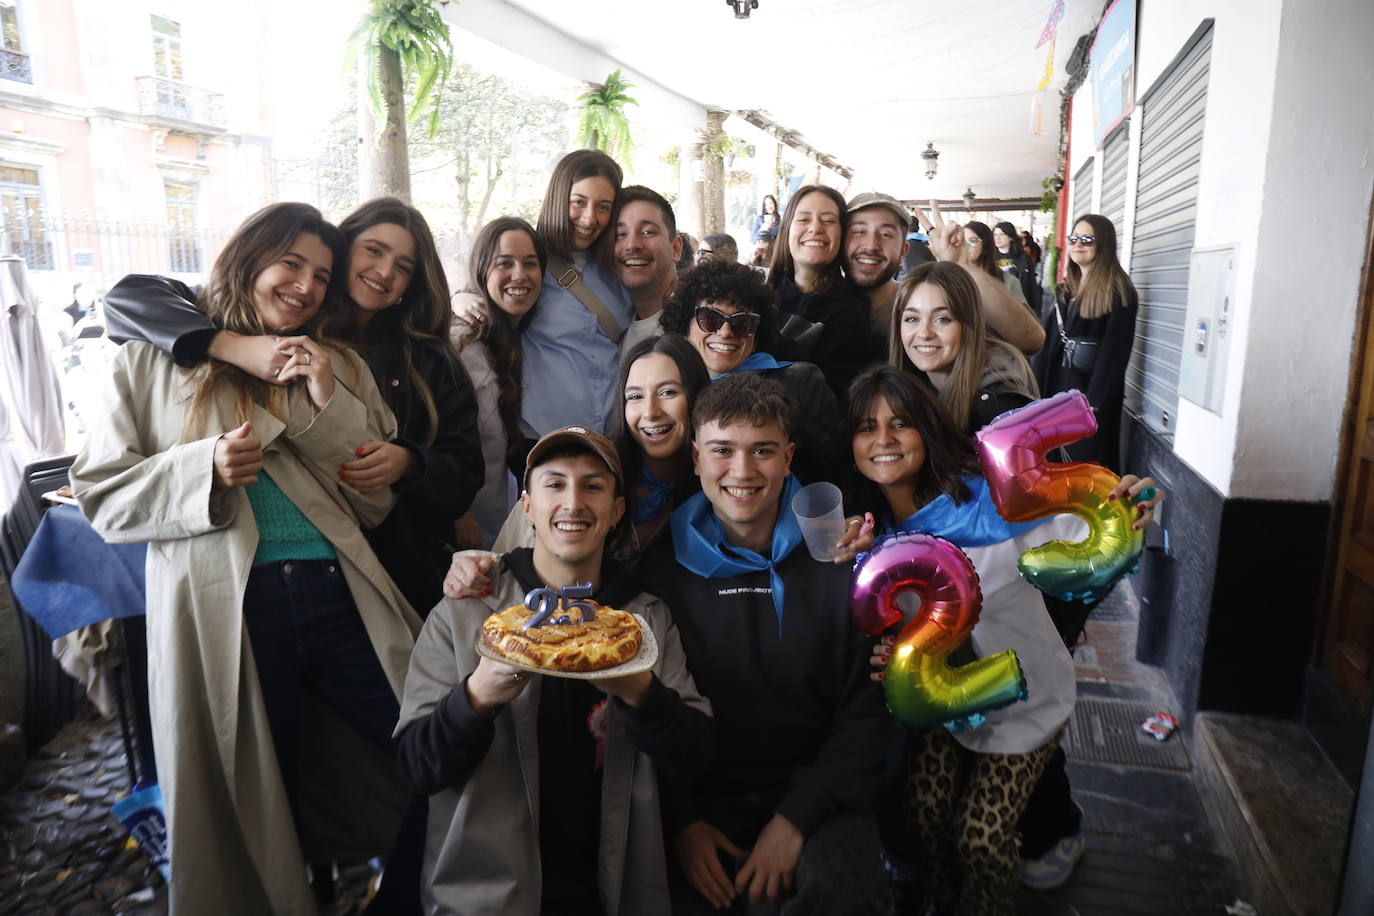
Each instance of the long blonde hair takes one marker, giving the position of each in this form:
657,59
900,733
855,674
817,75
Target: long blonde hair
978,352
227,300
1106,280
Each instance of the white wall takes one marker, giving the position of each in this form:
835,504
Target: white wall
1245,39
1311,248
1284,159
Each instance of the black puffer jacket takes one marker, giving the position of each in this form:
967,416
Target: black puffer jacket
845,348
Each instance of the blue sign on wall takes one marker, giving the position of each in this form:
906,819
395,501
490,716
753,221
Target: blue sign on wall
1112,65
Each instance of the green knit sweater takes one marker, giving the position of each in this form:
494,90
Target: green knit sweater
284,533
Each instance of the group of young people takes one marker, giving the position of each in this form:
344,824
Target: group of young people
305,441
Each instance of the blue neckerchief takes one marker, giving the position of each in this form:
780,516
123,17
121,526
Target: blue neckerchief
755,362
652,504
699,542
970,524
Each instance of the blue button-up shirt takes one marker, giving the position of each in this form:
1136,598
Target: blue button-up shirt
570,366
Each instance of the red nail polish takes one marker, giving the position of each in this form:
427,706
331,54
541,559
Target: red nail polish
1111,496
358,451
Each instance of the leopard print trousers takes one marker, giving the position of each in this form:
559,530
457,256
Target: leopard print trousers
964,808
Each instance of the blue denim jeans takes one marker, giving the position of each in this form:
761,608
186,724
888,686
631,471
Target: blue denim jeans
307,634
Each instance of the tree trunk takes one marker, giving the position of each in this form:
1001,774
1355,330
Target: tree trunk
713,170
383,159
492,179
464,182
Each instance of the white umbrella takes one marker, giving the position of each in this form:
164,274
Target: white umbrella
30,394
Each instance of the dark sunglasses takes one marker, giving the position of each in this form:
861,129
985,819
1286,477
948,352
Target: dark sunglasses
742,324
1082,239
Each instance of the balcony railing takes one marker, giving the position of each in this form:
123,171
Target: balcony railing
109,246
170,100
14,65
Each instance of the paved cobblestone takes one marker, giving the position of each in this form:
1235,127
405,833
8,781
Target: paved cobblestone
63,852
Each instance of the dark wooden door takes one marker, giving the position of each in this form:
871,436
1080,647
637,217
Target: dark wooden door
1346,650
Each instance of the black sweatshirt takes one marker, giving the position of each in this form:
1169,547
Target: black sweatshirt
796,713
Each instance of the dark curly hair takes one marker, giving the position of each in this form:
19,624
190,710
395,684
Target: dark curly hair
722,281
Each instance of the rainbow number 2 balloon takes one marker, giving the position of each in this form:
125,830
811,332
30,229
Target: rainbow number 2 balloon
922,689
1026,487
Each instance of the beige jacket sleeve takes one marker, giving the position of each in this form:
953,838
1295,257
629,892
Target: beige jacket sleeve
327,438
131,490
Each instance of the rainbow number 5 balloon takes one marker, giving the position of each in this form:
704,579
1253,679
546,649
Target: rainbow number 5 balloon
922,689
1026,487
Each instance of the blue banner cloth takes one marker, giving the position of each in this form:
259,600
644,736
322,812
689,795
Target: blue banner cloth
69,577
700,546
971,524
757,362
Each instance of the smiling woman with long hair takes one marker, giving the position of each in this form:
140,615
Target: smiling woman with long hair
806,271
262,593
507,268
916,471
1089,335
939,334
571,356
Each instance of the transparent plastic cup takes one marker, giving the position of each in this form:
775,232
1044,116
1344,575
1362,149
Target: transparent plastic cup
819,508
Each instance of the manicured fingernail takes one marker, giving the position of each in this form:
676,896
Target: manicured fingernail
358,451
484,594
343,475
1136,526
1111,496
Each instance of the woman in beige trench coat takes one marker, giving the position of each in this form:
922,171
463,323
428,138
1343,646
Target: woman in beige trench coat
234,483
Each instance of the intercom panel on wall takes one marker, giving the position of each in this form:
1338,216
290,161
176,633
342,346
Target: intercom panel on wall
1207,329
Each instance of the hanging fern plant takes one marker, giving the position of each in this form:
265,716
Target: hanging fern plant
603,124
419,36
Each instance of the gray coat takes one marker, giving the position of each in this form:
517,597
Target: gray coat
482,845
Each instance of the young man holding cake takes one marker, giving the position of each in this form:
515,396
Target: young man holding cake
785,811
543,787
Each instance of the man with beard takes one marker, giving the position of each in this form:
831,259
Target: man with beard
647,248
874,246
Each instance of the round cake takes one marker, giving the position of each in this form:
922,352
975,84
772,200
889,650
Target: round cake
611,638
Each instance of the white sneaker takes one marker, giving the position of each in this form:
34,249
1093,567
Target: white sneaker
1054,868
